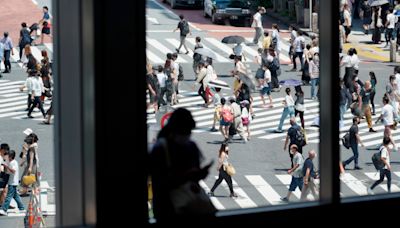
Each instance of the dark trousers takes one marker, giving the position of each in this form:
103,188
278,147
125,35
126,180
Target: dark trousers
383,173
372,96
274,80
161,101
223,175
29,101
301,116
354,148
203,94
300,55
37,101
389,35
7,63
21,48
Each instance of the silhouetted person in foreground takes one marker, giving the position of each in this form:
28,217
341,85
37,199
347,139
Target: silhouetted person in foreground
175,167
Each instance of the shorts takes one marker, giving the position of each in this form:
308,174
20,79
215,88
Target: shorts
265,90
223,123
296,182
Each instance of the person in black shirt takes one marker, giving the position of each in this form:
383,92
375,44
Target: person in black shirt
291,135
184,29
366,109
309,175
366,15
354,141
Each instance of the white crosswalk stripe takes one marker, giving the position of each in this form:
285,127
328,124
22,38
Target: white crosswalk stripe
13,102
267,120
158,48
251,187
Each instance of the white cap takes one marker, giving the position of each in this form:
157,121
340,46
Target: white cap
28,131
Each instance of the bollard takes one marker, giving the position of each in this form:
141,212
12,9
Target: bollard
393,48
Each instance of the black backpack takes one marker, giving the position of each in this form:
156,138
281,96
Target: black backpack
300,138
346,140
185,28
377,161
180,73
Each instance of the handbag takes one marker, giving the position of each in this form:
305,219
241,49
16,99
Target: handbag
189,198
4,179
230,169
28,179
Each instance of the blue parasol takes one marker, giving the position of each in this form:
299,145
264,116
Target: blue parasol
291,82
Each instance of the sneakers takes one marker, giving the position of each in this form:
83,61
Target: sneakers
369,190
31,117
233,195
278,131
371,130
285,199
213,129
211,193
3,213
357,168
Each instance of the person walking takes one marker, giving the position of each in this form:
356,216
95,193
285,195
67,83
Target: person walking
37,90
373,81
309,175
237,120
276,40
30,159
299,45
28,86
257,24
291,138
347,21
314,75
8,49
266,87
288,110
376,24
226,120
391,21
24,39
354,141
1,56
296,172
162,78
184,29
299,105
12,168
223,157
366,15
387,118
246,117
386,170
197,56
366,109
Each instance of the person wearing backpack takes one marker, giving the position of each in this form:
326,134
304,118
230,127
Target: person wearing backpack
299,45
354,141
386,170
24,39
197,56
292,138
184,28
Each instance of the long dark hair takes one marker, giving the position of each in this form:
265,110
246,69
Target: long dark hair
223,149
373,77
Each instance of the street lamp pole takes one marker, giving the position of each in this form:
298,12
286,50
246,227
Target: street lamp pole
310,5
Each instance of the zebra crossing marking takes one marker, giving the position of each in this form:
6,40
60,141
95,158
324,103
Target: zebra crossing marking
264,189
243,200
354,184
375,176
213,199
160,47
220,58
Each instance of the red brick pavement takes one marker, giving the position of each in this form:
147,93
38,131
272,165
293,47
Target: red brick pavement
14,12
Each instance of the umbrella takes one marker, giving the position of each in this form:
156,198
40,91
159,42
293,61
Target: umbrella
246,80
206,52
291,82
377,2
233,40
218,84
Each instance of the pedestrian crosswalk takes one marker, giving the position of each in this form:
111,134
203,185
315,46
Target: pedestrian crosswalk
13,102
258,190
157,50
267,119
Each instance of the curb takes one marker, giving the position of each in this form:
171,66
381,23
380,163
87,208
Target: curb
286,21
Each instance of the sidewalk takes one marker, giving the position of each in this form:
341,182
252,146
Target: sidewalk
287,21
13,13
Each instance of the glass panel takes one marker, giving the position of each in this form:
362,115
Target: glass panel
368,52
240,96
25,112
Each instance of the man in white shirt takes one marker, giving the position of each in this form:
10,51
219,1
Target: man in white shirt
387,118
299,44
386,170
257,24
391,20
37,90
12,168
